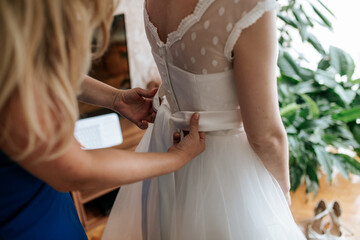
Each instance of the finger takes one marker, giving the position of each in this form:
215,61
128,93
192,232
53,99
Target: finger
146,93
153,116
176,137
185,133
194,123
143,124
150,118
202,136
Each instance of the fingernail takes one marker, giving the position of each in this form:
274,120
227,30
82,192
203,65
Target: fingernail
197,116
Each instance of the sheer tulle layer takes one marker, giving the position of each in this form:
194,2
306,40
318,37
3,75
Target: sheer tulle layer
225,193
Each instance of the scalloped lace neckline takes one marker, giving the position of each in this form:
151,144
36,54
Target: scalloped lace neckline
183,26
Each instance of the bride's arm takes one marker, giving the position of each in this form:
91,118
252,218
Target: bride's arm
255,58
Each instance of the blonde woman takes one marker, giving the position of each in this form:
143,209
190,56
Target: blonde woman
45,52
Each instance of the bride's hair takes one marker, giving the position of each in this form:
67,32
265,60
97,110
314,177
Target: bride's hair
46,47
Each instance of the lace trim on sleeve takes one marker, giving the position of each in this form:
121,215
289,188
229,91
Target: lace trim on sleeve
246,21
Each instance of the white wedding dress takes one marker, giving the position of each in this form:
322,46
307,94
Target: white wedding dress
226,192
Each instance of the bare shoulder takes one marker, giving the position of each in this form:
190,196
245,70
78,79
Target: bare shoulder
167,15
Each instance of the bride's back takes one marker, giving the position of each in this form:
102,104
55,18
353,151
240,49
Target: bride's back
168,20
199,35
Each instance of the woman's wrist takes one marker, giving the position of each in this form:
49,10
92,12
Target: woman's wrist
117,101
179,157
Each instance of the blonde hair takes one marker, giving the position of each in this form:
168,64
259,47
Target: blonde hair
45,48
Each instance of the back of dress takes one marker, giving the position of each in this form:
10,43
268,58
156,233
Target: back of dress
226,192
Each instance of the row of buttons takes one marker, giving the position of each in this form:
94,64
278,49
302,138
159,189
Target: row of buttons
164,72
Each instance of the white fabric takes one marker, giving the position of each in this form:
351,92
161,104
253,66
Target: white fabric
224,193
210,121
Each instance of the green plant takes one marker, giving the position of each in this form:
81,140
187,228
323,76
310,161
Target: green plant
319,106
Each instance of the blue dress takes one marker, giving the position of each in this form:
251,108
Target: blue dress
31,209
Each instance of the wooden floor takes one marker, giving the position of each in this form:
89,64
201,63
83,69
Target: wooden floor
346,192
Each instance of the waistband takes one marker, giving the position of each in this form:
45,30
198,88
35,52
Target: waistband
210,121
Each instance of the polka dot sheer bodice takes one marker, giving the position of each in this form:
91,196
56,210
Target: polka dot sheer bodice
204,40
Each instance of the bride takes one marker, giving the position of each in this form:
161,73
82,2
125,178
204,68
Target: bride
218,58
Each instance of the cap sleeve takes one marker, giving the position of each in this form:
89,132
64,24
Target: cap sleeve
249,11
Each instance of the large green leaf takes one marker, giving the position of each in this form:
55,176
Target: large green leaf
316,136
324,63
308,18
312,183
300,17
344,135
325,78
288,20
297,148
341,61
322,16
295,177
329,139
311,125
306,74
341,165
305,87
304,33
347,96
291,129
325,160
327,9
315,43
348,115
313,108
288,66
289,110
285,95
353,166
356,133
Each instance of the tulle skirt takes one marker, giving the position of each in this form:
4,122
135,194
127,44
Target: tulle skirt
224,193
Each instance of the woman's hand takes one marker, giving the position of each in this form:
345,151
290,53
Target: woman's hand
136,105
193,143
